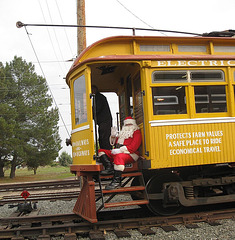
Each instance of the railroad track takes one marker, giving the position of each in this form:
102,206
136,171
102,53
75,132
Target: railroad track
40,197
39,191
71,225
39,185
42,190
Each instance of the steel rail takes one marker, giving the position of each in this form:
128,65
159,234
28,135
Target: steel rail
40,191
70,223
55,184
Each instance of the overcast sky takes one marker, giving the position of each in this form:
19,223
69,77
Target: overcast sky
55,46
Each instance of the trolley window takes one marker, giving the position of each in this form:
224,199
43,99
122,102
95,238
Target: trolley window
206,76
188,76
234,84
228,49
80,103
169,100
192,48
169,76
210,99
155,48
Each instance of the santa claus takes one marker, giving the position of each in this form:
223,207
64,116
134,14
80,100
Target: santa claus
127,143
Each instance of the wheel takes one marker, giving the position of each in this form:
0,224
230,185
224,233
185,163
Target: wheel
136,195
155,185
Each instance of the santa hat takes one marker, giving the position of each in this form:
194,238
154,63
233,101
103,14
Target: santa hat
129,120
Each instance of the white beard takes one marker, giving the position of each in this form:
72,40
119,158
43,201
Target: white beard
126,132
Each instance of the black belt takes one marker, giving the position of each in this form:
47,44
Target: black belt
118,145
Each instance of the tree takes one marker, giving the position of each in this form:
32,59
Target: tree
7,123
35,138
46,137
65,159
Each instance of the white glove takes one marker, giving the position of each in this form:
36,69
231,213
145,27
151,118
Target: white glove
113,136
116,151
114,131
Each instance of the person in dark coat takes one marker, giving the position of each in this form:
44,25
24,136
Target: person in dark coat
104,118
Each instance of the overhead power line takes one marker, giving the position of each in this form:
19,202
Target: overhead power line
134,14
56,38
45,78
64,28
52,44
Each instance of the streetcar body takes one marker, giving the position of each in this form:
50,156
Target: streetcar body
180,90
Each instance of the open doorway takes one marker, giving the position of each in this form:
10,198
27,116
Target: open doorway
115,81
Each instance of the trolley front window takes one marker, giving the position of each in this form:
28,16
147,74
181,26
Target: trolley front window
80,103
210,99
169,100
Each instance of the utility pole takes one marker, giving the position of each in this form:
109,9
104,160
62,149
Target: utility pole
81,21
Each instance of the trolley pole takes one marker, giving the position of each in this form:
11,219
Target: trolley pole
81,21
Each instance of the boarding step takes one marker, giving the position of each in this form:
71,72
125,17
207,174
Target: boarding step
131,174
129,203
125,189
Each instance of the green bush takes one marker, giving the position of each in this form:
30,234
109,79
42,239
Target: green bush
65,159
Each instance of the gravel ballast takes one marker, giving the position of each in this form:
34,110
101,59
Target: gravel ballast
225,231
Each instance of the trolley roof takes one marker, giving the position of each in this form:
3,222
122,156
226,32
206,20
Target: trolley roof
136,48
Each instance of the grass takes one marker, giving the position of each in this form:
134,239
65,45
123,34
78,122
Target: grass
43,173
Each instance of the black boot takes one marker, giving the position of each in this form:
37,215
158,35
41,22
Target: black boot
108,166
116,182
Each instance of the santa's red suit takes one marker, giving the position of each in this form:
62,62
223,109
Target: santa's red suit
129,140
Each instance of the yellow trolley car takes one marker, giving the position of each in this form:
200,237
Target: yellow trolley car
180,90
